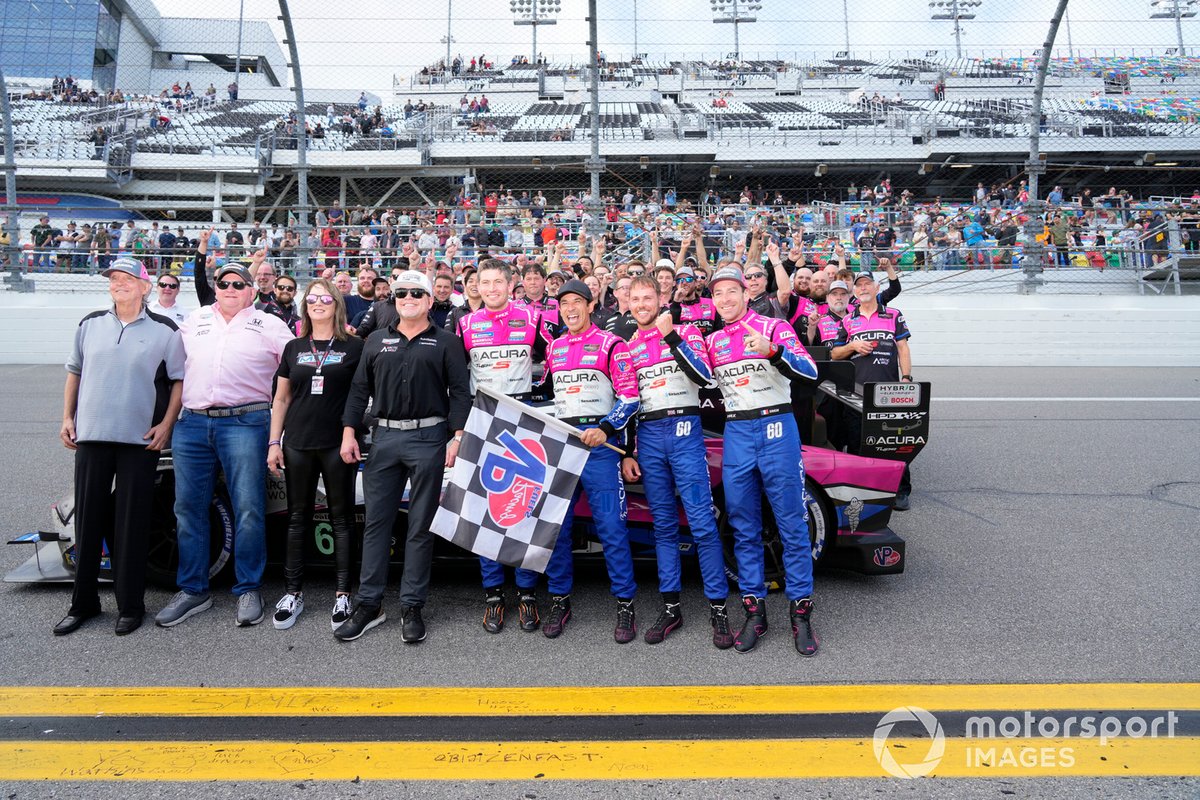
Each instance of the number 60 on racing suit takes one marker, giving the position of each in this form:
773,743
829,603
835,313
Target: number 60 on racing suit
754,359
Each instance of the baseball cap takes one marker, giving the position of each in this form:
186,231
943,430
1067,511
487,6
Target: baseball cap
130,266
238,268
664,263
685,270
411,278
559,273
839,285
576,286
862,275
727,274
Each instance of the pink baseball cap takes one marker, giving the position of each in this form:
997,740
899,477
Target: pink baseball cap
130,266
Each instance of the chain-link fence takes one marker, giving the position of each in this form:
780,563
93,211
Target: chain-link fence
473,126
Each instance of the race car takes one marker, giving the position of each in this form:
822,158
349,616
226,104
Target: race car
849,500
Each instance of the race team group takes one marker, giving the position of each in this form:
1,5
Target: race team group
257,378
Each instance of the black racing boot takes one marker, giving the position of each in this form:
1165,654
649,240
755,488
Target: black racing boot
756,623
560,613
527,611
722,635
670,618
802,630
493,612
626,629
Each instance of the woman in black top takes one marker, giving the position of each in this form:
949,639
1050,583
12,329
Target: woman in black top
313,382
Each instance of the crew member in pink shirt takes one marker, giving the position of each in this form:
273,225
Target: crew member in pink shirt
232,350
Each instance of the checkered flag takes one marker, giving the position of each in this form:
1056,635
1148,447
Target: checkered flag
511,484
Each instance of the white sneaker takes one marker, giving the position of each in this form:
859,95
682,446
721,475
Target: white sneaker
287,610
341,611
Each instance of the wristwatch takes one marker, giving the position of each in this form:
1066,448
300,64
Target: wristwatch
458,437
906,377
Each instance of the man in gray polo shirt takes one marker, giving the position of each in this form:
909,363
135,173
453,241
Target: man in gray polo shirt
122,397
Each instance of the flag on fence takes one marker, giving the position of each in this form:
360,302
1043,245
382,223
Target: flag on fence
512,483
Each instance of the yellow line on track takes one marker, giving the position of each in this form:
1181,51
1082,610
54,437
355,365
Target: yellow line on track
645,760
61,701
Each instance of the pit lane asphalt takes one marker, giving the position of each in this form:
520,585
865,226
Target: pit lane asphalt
1048,541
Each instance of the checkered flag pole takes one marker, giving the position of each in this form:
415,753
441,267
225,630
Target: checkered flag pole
512,482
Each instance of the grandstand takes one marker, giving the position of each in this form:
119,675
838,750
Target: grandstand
941,123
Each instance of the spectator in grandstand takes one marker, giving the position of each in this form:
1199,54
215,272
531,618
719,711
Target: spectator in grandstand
98,138
1006,234
1055,198
232,88
66,247
1060,239
119,406
166,303
83,249
232,351
40,237
314,377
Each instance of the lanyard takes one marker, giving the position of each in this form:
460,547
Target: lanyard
323,356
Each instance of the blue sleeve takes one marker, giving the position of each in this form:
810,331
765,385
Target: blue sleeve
691,362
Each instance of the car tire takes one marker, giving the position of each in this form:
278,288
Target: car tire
162,554
822,528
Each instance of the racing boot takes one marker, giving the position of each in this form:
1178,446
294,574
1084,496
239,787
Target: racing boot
527,611
670,618
493,612
800,613
756,623
626,630
722,635
560,613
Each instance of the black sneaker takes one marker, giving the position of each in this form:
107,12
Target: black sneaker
362,620
527,612
722,635
802,630
902,502
560,614
756,623
493,612
412,626
668,620
626,630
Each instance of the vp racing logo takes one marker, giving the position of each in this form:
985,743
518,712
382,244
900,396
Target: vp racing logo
886,754
514,479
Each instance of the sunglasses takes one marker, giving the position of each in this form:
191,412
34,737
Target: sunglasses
753,275
633,273
239,285
168,285
323,299
279,288
685,280
416,294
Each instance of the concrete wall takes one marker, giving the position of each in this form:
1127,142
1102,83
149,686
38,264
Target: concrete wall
948,330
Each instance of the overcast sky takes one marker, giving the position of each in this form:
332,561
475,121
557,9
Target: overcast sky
364,47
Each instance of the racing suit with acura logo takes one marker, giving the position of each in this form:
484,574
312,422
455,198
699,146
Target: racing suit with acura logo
836,414
762,448
885,327
591,376
502,347
671,454
699,312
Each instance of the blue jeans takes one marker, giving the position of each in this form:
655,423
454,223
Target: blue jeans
763,455
238,446
601,479
671,455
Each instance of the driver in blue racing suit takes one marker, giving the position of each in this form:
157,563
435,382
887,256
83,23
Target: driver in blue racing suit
754,358
671,365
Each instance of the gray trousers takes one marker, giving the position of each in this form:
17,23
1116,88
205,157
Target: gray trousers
398,457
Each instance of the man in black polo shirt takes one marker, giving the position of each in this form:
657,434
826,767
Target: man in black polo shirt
417,376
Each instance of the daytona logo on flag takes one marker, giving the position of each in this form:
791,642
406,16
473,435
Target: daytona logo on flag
512,483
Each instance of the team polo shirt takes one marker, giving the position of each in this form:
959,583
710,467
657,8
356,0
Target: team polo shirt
231,363
125,375
885,327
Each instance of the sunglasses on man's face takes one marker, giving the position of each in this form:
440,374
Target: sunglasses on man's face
633,273
685,279
168,285
750,276
416,294
323,299
285,288
238,285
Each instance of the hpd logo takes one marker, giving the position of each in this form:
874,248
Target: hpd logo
513,479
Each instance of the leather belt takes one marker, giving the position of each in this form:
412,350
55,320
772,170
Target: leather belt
231,411
410,424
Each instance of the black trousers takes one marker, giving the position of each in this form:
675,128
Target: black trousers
114,493
304,467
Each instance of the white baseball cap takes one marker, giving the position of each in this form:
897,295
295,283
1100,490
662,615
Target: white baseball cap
412,279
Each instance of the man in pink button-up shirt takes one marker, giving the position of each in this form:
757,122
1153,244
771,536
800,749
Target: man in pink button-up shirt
232,351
